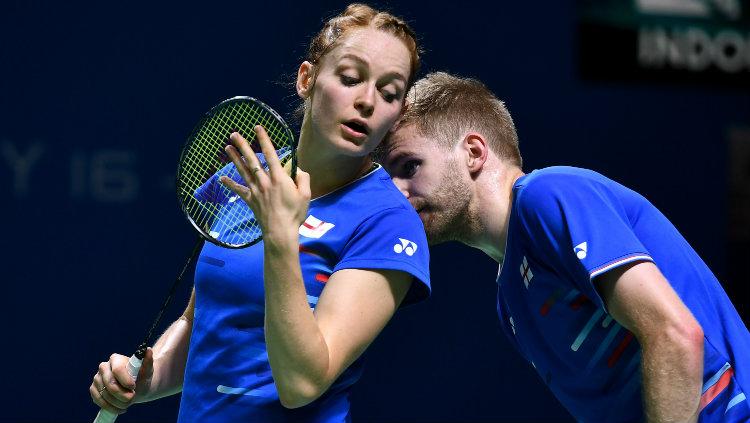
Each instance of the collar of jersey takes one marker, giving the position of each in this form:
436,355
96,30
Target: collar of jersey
374,169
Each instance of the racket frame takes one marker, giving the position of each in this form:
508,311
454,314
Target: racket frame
208,115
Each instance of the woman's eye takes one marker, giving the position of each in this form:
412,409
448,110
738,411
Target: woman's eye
389,97
349,80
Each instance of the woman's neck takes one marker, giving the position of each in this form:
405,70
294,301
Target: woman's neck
330,172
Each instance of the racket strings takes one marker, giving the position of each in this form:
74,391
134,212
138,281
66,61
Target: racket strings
207,213
213,208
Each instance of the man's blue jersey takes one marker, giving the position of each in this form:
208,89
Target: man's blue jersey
568,226
367,224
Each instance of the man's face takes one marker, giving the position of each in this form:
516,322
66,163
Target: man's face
431,177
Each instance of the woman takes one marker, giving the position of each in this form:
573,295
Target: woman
274,332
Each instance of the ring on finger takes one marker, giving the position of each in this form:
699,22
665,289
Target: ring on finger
255,170
104,388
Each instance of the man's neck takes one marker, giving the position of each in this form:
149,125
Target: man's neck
494,199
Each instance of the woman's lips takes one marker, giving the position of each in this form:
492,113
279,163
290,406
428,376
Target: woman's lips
350,132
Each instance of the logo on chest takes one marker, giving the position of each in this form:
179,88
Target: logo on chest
313,227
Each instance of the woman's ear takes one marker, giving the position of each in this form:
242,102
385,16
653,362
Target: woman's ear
305,79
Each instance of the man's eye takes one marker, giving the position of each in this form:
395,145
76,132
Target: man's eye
349,80
410,168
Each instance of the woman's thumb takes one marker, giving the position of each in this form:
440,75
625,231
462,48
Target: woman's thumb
147,367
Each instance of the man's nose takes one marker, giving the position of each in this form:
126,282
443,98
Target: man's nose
402,186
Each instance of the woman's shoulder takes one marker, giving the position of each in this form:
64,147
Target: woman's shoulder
379,194
372,193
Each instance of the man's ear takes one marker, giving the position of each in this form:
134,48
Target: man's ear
476,149
305,79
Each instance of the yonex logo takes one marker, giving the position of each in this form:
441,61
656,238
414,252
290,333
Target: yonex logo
405,246
581,250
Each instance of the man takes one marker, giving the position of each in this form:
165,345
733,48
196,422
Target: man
597,289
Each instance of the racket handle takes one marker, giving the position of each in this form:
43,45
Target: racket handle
134,366
105,416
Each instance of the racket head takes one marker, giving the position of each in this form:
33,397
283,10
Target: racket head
219,215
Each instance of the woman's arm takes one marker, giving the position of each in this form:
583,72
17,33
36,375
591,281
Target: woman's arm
161,373
308,351
170,357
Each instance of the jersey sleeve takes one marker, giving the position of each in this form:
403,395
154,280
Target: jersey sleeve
213,191
392,239
579,226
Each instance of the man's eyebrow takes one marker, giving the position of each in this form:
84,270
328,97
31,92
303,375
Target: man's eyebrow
382,153
398,155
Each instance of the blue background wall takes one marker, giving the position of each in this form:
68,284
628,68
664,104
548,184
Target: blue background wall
97,99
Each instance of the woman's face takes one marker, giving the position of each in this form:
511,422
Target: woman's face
358,91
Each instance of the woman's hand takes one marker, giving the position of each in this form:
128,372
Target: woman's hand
113,389
279,203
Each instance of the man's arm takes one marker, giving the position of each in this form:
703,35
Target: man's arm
640,298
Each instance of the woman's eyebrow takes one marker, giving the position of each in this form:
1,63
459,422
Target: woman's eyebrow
354,57
360,60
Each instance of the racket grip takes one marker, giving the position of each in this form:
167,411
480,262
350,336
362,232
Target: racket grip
134,366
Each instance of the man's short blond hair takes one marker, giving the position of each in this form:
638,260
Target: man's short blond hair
446,107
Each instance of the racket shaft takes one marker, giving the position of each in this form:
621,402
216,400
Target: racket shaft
134,366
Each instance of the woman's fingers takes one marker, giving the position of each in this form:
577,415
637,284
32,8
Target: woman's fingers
269,152
245,160
303,183
107,391
251,162
237,188
96,390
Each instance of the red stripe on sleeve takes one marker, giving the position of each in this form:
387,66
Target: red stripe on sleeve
717,388
620,348
303,249
578,302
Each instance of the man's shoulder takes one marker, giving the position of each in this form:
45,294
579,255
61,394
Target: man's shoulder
558,180
554,191
543,186
558,176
